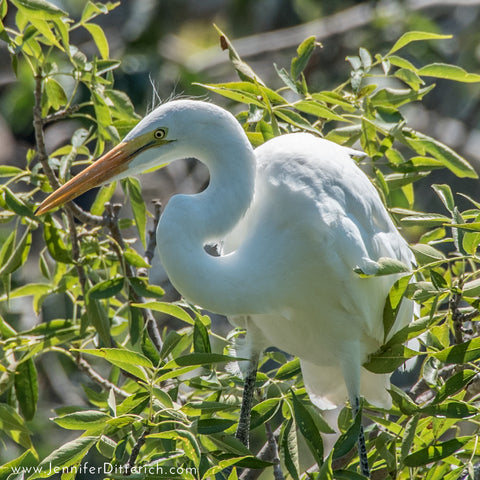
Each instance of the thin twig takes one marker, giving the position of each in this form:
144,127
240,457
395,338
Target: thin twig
85,367
61,114
152,238
111,221
457,317
267,454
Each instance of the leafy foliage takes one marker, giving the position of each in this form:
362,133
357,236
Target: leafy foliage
160,401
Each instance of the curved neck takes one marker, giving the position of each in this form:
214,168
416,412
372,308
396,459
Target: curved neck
191,221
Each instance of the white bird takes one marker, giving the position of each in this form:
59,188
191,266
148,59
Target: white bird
295,217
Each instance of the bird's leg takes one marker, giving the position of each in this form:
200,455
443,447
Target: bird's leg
243,428
361,444
351,367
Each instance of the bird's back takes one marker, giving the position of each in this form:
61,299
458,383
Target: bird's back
315,217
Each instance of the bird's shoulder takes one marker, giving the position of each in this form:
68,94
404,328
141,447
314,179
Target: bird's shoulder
302,167
320,181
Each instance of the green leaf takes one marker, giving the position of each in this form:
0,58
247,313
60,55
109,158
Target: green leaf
122,105
83,420
186,439
410,78
241,96
244,70
385,266
426,219
40,9
264,411
97,316
118,356
408,436
27,459
410,37
308,429
107,289
295,119
68,454
133,258
449,158
200,359
365,58
135,324
436,452
192,408
104,195
54,242
450,409
13,257
17,205
459,354
201,342
14,426
213,425
170,342
393,302
55,93
167,308
426,254
391,97
304,52
445,193
471,227
314,108
334,99
134,190
403,401
388,358
346,441
26,388
99,38
449,72
472,288
289,448
10,171
288,370
141,287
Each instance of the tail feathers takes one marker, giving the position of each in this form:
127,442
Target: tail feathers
326,387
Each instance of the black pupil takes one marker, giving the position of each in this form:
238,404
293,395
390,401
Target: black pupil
160,134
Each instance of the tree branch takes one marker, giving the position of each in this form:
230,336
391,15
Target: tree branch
85,367
111,221
268,453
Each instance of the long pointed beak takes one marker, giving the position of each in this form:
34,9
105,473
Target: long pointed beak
105,168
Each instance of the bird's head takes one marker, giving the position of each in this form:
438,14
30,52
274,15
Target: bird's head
166,134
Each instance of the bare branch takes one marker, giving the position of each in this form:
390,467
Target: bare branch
85,367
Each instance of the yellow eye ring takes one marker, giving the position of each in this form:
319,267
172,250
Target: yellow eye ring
160,133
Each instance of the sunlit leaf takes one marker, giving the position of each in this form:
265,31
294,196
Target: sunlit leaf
410,37
436,452
26,388
449,72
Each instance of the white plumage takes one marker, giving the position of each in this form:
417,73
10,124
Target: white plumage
295,217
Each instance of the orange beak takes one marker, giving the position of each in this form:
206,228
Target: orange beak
106,167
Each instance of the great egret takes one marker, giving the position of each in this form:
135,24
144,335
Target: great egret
295,216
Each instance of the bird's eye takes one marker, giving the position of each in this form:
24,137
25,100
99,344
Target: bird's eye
160,133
